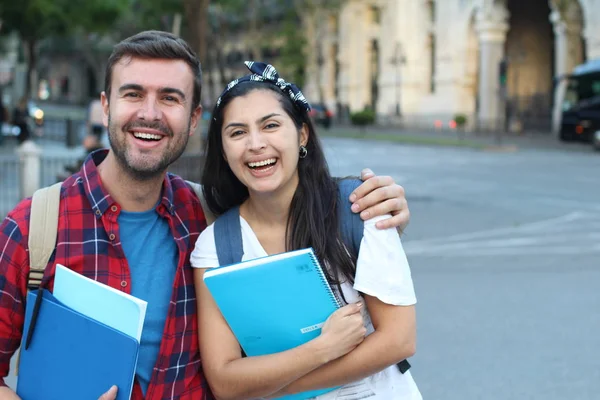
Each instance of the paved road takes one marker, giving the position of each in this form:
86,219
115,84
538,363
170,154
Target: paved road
503,249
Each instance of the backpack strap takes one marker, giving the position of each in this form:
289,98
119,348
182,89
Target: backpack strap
43,226
351,225
43,229
228,237
210,217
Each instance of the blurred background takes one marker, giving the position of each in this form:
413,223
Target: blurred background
486,111
481,65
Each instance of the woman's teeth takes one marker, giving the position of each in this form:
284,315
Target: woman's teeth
262,163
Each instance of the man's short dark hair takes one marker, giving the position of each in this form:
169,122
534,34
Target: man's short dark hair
156,45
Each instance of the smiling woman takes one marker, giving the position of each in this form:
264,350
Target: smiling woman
265,166
261,142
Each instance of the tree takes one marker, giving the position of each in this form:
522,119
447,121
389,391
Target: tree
301,45
35,20
293,52
196,16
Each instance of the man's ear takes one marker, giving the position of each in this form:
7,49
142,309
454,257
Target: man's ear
105,108
196,114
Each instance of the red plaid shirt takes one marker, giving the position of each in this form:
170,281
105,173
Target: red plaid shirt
88,242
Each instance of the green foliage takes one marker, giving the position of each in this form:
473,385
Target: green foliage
363,118
461,120
292,57
36,19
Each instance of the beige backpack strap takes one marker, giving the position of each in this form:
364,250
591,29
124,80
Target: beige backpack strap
43,226
210,217
43,229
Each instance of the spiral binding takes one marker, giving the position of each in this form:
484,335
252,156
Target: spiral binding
317,265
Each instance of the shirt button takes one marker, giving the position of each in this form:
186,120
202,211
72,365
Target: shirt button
111,236
123,283
113,209
98,212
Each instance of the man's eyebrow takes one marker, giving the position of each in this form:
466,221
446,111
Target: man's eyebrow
170,90
131,86
140,88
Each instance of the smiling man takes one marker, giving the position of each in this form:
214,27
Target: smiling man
127,223
151,114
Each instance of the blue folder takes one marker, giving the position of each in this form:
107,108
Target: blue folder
71,356
274,303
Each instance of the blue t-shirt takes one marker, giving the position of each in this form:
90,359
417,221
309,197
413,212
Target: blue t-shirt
152,256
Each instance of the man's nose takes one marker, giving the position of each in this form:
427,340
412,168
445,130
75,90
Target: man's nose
150,110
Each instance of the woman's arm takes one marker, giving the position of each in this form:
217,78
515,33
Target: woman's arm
232,377
394,340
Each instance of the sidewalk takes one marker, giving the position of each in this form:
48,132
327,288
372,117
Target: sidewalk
487,141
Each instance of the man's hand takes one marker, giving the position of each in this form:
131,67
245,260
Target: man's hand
110,395
380,195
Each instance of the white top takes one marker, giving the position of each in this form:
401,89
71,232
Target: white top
382,271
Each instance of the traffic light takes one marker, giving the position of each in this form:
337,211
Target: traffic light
503,72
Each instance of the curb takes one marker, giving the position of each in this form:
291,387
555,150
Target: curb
501,149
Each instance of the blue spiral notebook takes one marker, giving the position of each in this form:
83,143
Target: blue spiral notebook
274,303
72,356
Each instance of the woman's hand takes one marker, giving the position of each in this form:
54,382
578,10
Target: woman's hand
343,331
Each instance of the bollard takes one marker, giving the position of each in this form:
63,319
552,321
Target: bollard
71,137
30,168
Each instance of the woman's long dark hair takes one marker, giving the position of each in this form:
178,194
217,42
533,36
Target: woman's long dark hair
313,219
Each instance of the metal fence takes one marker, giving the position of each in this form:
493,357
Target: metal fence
9,183
68,131
189,166
52,170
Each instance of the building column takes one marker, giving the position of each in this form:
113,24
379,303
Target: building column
491,30
329,74
592,41
568,53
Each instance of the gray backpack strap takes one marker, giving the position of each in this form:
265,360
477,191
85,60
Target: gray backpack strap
228,237
43,226
210,217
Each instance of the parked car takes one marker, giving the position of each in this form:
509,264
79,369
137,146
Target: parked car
596,140
321,115
36,114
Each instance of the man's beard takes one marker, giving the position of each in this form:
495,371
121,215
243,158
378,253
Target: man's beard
148,170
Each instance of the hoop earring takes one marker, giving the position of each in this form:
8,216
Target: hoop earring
303,152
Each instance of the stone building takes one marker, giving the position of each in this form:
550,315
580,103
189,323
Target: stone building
419,61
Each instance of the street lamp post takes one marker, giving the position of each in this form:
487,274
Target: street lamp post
320,63
397,61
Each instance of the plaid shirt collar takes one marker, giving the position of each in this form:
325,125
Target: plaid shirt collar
99,198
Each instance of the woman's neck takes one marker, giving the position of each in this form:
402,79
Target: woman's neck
266,209
131,194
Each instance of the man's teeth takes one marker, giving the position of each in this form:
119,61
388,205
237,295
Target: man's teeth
262,163
149,136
